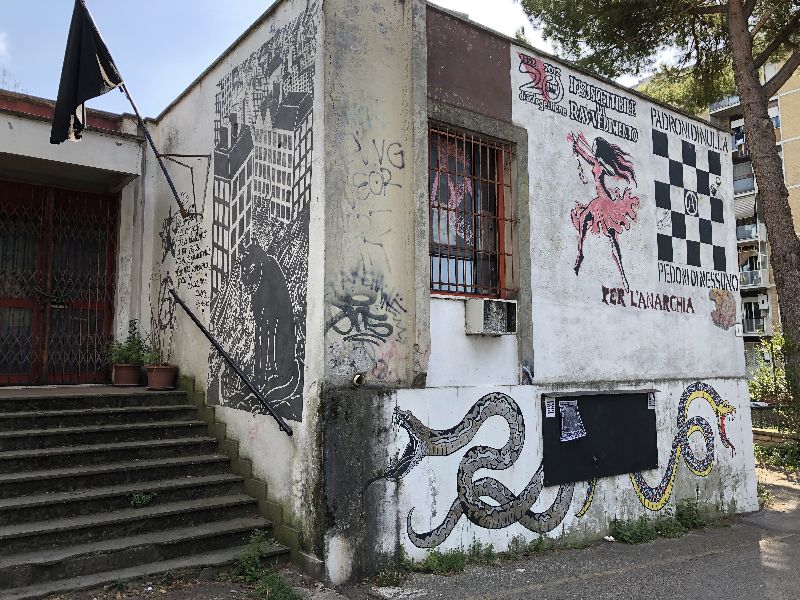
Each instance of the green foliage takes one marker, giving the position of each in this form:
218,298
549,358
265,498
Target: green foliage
688,514
132,350
274,587
614,38
783,456
479,552
768,383
669,527
634,531
248,565
520,36
443,563
391,574
764,495
142,499
678,87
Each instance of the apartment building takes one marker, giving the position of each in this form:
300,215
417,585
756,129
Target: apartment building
760,311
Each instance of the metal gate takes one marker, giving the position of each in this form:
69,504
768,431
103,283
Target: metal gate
56,284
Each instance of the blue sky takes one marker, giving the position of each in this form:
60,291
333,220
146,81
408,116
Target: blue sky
161,46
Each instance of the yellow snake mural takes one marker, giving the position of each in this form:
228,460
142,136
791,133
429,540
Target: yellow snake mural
656,498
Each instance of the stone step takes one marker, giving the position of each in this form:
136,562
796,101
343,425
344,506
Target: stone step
48,506
121,553
196,563
83,417
105,475
43,535
99,434
40,399
94,454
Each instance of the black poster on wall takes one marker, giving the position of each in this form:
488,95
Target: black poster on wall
597,435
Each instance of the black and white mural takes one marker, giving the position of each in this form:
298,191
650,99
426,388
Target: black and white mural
262,185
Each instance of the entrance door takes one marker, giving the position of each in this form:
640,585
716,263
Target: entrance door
56,284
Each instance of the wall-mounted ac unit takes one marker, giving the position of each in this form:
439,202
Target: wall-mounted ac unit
763,302
485,316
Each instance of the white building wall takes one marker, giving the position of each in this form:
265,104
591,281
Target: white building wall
190,126
659,323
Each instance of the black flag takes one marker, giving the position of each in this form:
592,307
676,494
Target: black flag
88,72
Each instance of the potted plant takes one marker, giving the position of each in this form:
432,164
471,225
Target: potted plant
160,372
127,356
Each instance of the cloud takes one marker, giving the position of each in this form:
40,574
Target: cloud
5,53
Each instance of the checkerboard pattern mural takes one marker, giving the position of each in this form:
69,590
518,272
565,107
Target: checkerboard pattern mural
690,217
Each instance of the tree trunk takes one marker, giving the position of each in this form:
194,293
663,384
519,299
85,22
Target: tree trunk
772,193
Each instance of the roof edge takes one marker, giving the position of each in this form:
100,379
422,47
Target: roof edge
572,65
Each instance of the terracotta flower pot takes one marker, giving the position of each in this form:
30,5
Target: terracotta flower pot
126,375
161,377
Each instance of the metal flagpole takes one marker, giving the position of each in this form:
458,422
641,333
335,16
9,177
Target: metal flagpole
184,213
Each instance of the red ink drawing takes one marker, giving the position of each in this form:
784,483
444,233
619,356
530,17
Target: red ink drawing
610,212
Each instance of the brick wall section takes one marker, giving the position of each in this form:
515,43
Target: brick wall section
768,437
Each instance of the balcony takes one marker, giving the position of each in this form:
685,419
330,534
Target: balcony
744,185
754,326
723,104
747,232
753,279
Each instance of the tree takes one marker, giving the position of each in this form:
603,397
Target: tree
714,39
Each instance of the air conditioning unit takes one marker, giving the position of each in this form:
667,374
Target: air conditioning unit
763,302
485,316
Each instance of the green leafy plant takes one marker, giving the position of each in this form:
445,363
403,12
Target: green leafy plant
274,587
478,552
132,350
635,531
783,456
118,586
157,354
443,563
764,495
391,574
688,514
248,565
142,499
768,383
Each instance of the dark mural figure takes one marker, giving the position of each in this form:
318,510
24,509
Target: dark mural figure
610,212
274,323
263,143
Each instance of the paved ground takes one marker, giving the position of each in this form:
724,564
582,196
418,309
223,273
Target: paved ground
757,557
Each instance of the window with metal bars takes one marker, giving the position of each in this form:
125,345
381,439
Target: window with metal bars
471,218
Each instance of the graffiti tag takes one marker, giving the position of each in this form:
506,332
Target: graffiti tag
381,162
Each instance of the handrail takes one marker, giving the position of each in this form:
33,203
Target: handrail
281,423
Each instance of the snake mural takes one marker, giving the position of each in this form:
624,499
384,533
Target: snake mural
510,508
656,497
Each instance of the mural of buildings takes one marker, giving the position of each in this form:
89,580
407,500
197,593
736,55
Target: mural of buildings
260,225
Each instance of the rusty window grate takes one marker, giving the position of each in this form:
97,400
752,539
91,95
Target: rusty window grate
472,230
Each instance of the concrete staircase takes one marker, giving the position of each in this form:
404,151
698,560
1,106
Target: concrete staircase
99,485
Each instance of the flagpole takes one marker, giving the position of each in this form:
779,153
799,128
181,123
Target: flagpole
184,213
